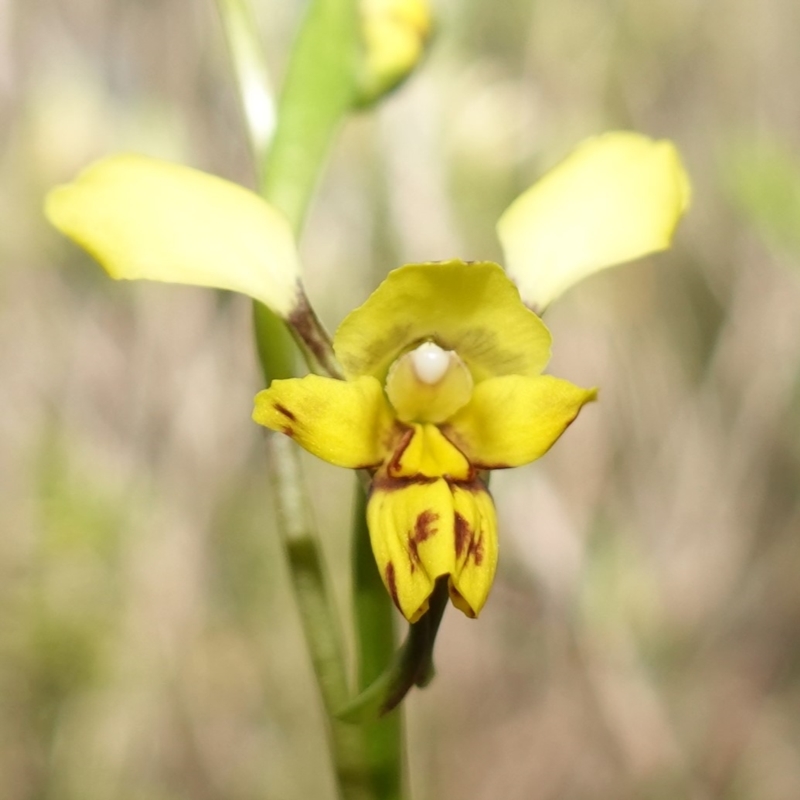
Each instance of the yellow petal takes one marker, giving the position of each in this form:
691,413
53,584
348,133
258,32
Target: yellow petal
145,218
476,547
424,451
617,197
513,420
345,423
411,527
473,309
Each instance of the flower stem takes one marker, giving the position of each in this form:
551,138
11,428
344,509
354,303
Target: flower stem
375,625
319,92
312,105
320,625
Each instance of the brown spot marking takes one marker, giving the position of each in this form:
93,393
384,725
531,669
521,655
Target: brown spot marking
285,411
463,534
385,483
394,464
288,430
391,583
476,550
473,485
423,530
465,538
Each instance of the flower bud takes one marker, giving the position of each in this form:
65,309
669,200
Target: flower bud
394,35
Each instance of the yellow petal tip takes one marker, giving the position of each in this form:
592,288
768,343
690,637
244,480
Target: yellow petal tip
617,197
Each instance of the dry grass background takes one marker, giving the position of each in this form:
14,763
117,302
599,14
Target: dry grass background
642,637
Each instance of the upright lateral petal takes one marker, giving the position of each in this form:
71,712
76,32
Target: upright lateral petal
345,423
145,218
617,197
513,420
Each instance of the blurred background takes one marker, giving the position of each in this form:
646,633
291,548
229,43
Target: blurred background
643,636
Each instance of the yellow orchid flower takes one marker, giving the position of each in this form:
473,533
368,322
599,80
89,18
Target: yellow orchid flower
443,381
442,364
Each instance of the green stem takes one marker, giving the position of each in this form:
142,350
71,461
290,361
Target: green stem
411,665
320,625
277,351
318,94
313,103
375,624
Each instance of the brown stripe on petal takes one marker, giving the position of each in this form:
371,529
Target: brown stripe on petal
394,434
386,483
463,534
422,527
476,550
474,485
391,583
405,440
285,411
423,530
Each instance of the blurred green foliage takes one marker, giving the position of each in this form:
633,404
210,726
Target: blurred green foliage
764,181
